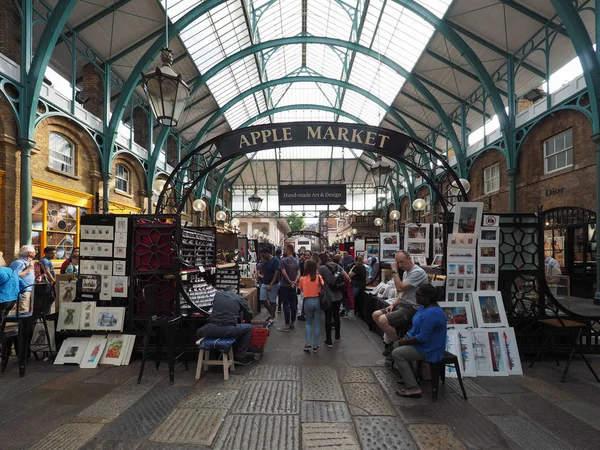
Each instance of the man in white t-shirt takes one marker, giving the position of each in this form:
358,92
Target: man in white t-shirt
402,310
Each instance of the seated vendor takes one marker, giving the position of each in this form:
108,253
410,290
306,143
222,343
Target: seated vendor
402,310
223,323
426,340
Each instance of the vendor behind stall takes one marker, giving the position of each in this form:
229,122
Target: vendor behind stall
223,323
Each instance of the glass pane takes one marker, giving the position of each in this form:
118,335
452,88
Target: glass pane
37,213
569,157
36,241
549,147
551,161
569,139
63,242
561,160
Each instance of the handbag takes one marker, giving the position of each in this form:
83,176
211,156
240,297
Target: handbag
324,299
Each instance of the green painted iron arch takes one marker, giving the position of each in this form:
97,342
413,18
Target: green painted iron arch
398,146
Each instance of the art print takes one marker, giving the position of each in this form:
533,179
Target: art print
460,343
109,318
120,252
489,309
453,269
39,340
93,352
438,247
420,260
461,284
115,350
461,255
489,353
511,351
71,351
488,284
488,252
467,217
389,239
121,239
450,296
488,269
490,235
119,268
387,255
68,316
66,289
417,248
86,320
120,286
121,224
462,240
458,313
90,284
437,259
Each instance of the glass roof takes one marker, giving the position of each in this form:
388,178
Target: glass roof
387,27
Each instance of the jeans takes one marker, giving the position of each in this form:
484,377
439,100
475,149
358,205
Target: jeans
333,313
312,309
288,297
403,358
241,332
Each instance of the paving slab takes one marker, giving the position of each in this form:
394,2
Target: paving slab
190,426
418,414
383,433
471,387
492,406
216,381
473,429
259,432
210,398
311,411
140,420
120,374
435,437
321,383
275,372
268,397
70,436
388,381
355,375
551,417
111,444
590,414
367,400
546,390
500,385
66,381
25,404
579,389
529,435
162,446
329,436
12,386
117,401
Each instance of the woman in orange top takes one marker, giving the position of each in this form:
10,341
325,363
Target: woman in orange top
310,285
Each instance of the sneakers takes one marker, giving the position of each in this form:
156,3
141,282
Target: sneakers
338,338
316,349
307,348
388,350
328,343
244,362
284,329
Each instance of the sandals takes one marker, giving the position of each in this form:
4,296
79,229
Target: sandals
404,393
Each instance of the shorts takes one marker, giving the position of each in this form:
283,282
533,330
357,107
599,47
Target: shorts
266,295
401,315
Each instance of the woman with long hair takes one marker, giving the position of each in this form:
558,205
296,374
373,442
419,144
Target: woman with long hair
330,271
358,275
310,285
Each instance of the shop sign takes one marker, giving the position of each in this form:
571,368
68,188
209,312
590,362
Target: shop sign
554,191
312,194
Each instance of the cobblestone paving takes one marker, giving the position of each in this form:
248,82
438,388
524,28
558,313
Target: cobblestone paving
342,397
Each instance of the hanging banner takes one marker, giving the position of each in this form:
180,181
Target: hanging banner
312,194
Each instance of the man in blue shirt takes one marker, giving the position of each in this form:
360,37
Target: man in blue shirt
23,266
426,340
269,275
49,255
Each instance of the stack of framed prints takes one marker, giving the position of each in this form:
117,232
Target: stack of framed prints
88,316
390,244
416,242
460,267
88,352
488,259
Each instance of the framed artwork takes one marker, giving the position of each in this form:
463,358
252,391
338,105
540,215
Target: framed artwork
120,252
417,232
490,235
438,231
388,255
458,313
71,351
421,260
86,319
39,340
90,284
489,309
106,287
437,259
462,240
512,358
390,244
417,248
109,318
461,255
115,349
93,352
66,289
438,247
68,316
467,217
119,286
487,269
121,224
460,343
120,239
488,252
388,239
490,358
450,295
359,245
487,284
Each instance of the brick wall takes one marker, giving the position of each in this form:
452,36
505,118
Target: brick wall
140,127
10,162
476,194
421,193
137,183
93,86
10,30
403,217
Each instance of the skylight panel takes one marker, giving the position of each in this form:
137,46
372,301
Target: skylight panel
328,19
283,61
379,79
282,18
363,108
324,60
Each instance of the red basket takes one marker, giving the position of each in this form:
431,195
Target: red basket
258,338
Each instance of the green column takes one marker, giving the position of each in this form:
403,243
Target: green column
596,139
25,192
105,192
512,189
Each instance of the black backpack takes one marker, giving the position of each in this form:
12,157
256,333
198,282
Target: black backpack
338,278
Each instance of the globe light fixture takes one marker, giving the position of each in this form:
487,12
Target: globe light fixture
378,221
199,205
354,231
395,214
418,204
380,171
221,215
255,232
255,201
235,222
465,184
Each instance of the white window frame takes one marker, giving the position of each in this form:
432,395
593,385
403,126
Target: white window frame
55,157
123,179
559,138
488,177
427,199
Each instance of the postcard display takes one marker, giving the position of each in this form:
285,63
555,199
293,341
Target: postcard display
390,244
478,330
416,242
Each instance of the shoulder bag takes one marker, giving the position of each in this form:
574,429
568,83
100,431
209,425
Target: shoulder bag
324,298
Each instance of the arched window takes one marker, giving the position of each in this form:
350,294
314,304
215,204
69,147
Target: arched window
122,178
62,154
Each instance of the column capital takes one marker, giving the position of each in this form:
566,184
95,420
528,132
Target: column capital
596,138
512,172
25,144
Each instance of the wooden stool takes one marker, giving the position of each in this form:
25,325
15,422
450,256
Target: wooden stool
223,345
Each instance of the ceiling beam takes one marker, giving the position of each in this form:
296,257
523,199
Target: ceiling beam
537,17
92,20
424,105
137,45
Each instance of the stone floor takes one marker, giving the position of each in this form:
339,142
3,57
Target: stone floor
341,398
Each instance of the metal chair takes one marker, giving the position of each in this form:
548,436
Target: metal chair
438,370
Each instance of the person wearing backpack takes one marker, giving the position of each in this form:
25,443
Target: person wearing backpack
334,277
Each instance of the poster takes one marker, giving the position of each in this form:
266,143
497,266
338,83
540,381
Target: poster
390,244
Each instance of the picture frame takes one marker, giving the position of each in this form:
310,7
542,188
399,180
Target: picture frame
487,284
460,283
490,235
115,349
467,217
414,232
66,289
489,353
39,340
417,248
462,240
458,314
389,239
512,357
109,318
71,351
120,287
461,255
68,316
488,252
460,343
437,259
487,269
489,309
93,352
420,260
389,245
438,231
121,224
450,296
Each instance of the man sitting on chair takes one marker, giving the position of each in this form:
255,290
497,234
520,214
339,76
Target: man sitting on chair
223,323
401,312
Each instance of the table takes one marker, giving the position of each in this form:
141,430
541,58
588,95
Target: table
251,296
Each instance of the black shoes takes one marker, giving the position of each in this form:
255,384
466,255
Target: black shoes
243,362
388,350
301,318
328,343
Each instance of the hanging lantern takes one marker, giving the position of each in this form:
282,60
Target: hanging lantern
166,91
465,184
158,186
255,201
255,232
354,231
199,205
380,171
